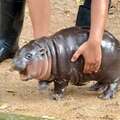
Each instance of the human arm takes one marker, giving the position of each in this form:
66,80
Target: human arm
91,50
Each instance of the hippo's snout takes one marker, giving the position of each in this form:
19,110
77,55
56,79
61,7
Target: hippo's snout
18,65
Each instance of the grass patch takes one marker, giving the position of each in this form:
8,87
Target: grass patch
5,116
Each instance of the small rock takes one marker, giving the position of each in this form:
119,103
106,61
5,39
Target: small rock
4,106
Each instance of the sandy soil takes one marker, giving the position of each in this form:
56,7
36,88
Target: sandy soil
21,97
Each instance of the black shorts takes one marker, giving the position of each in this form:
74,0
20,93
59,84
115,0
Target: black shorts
83,16
87,3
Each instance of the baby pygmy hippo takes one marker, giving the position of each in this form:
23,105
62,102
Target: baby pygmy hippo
48,60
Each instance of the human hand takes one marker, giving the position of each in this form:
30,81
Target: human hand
91,52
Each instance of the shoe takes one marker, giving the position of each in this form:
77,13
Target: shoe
11,22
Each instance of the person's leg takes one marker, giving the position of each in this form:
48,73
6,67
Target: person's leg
11,20
83,16
39,13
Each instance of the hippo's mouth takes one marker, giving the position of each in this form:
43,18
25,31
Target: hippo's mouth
24,76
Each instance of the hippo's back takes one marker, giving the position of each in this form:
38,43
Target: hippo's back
67,41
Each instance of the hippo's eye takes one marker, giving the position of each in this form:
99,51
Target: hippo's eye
28,56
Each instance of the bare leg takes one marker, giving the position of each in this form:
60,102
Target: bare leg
39,13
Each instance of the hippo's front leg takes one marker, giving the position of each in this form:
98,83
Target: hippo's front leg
59,88
111,90
43,85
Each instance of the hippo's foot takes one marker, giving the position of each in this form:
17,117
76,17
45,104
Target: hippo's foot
110,91
57,96
108,94
43,85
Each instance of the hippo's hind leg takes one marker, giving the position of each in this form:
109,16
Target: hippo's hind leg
59,88
111,90
99,86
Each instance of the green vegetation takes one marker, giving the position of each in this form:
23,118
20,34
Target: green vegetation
4,116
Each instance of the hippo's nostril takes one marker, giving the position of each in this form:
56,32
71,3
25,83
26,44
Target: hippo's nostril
18,68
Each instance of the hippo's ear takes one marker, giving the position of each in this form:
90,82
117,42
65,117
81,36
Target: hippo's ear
43,51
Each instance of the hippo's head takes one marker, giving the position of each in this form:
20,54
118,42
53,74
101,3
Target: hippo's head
33,60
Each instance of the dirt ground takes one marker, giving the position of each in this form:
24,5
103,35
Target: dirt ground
21,97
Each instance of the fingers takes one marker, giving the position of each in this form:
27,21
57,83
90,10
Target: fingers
86,68
97,66
91,67
76,55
